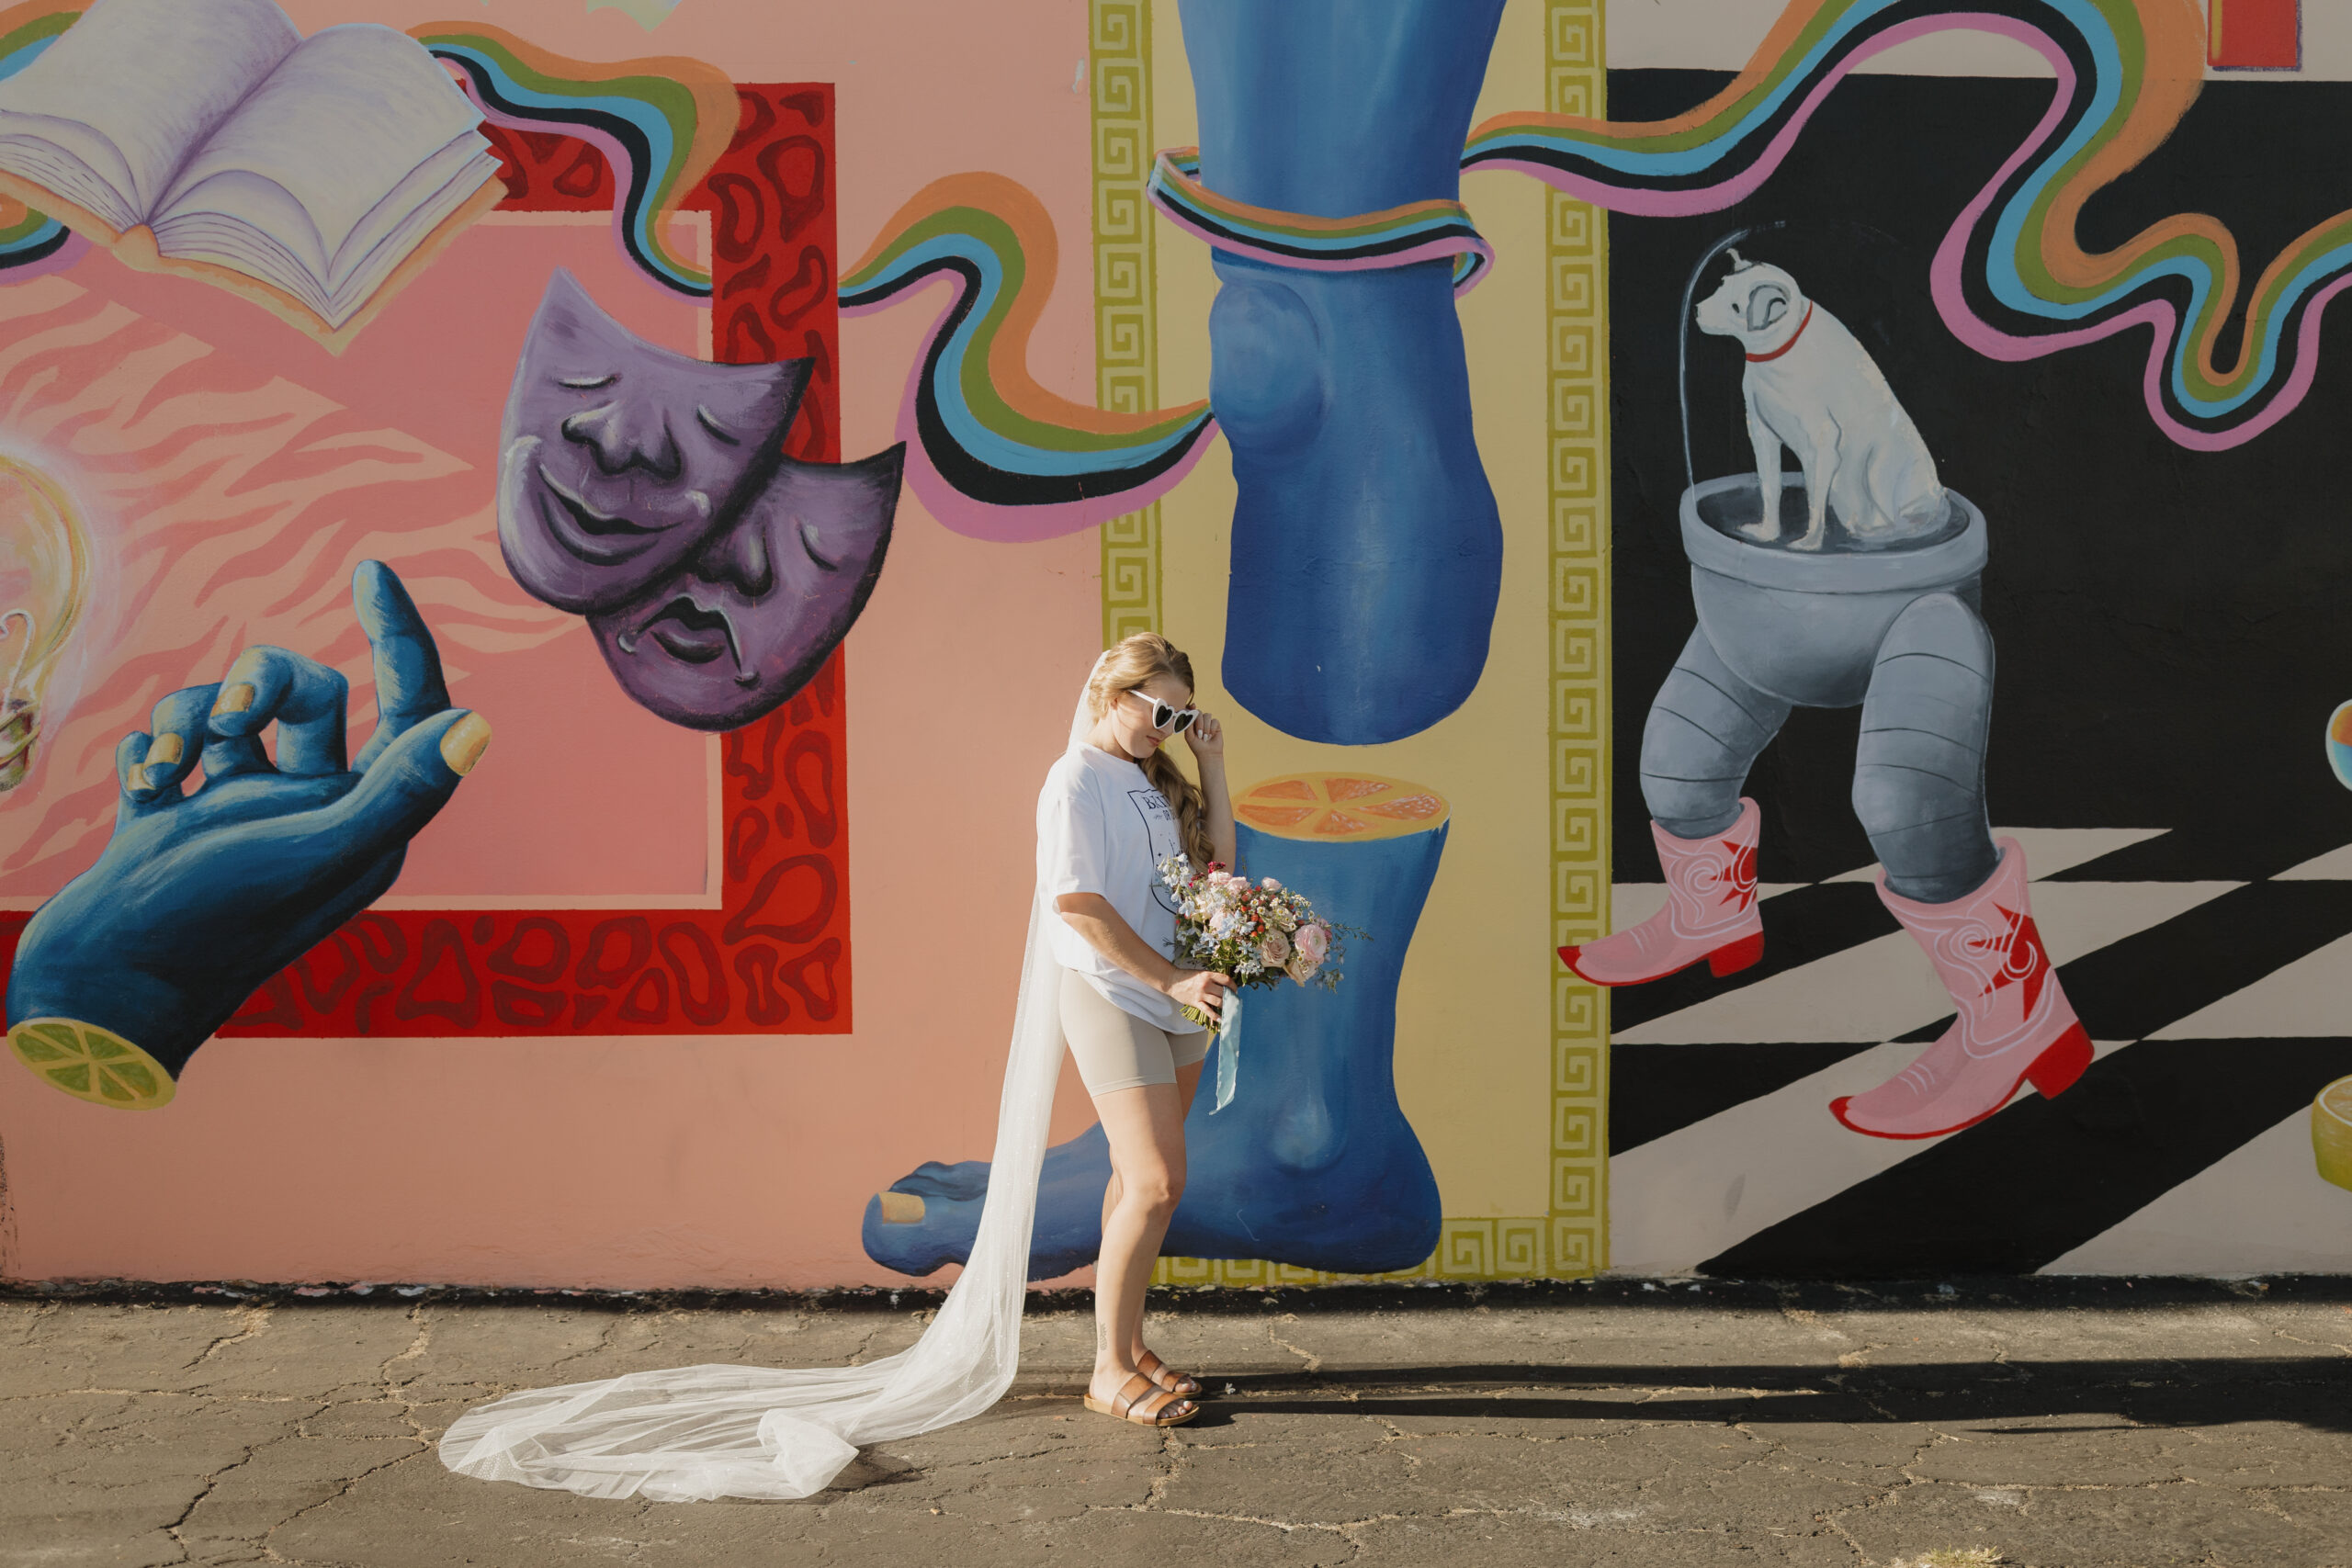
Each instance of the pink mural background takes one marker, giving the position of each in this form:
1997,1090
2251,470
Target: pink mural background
703,1161
235,474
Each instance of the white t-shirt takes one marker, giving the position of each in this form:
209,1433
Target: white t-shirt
1102,827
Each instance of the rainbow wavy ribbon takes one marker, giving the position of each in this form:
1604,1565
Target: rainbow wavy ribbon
992,453
1417,231
33,242
2010,278
659,123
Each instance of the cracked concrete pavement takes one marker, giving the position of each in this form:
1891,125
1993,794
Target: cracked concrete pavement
2067,1425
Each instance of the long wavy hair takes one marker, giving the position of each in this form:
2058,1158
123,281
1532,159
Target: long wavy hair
1130,664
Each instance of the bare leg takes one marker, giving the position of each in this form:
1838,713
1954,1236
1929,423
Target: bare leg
1188,1080
1146,1129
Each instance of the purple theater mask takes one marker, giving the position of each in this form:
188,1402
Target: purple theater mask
756,611
650,492
617,459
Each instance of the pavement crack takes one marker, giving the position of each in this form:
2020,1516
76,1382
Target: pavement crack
204,1489
1314,1362
1286,1526
1805,1317
1172,1449
253,1319
343,1489
397,1393
605,1342
2316,1343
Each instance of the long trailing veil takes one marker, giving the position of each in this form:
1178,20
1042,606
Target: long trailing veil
691,1433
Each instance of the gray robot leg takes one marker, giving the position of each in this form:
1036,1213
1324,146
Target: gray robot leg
1919,771
1705,728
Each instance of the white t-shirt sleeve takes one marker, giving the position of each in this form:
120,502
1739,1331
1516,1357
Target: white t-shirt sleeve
1072,852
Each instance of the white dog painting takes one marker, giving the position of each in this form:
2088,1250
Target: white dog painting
1813,387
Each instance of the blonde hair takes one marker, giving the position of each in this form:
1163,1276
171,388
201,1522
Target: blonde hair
1124,667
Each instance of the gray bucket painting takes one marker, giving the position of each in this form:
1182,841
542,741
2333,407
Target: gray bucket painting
1805,627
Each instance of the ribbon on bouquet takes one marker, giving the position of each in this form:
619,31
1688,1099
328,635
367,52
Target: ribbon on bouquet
1228,1049
1395,236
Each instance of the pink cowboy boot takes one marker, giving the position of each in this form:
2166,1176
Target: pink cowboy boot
1709,912
2015,1023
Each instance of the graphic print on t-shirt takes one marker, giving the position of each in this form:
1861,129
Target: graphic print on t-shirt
1159,821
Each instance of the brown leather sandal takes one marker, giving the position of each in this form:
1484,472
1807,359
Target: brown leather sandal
1157,1371
1130,1403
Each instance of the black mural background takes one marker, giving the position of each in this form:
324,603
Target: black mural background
2170,624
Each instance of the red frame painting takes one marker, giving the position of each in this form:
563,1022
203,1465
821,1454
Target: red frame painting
775,957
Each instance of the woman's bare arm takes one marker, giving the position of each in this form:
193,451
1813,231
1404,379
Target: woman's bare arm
1092,916
1206,739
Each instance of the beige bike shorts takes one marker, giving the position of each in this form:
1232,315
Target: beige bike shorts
1117,1050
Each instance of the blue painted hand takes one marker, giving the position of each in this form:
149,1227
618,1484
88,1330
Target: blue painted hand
201,896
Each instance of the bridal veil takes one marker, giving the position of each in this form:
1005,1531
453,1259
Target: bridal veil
767,1432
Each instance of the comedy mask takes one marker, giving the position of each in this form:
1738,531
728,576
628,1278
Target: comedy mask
650,492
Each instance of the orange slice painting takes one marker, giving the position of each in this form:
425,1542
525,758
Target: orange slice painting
1339,806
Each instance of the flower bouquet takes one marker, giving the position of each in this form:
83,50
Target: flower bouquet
1254,933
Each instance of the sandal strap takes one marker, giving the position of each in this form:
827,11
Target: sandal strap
1161,1402
1122,1404
1151,1366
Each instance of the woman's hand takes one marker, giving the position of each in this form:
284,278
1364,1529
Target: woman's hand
1202,988
1206,738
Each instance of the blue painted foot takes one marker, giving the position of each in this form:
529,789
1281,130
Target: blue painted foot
1367,551
916,1238
1312,1164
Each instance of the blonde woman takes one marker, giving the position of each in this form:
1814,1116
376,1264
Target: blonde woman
1098,980
1113,809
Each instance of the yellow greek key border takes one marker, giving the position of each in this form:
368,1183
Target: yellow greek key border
1578,259
1467,1249
1572,1240
1126,374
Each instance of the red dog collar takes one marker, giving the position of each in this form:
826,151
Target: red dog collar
1760,358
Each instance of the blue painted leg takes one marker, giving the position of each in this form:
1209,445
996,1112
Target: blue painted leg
1367,551
939,1229
1312,1164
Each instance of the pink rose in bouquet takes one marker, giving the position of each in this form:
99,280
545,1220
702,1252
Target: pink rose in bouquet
1254,933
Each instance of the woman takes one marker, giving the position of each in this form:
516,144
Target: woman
1113,810
773,1432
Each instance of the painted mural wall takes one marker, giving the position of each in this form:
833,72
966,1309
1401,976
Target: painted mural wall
1781,569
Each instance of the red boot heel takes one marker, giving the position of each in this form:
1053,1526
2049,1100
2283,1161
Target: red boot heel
1745,953
2055,1071
2014,1025
1709,912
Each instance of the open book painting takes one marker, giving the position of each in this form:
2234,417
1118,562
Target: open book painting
209,136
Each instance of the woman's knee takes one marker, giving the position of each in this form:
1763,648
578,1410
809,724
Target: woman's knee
1156,1190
